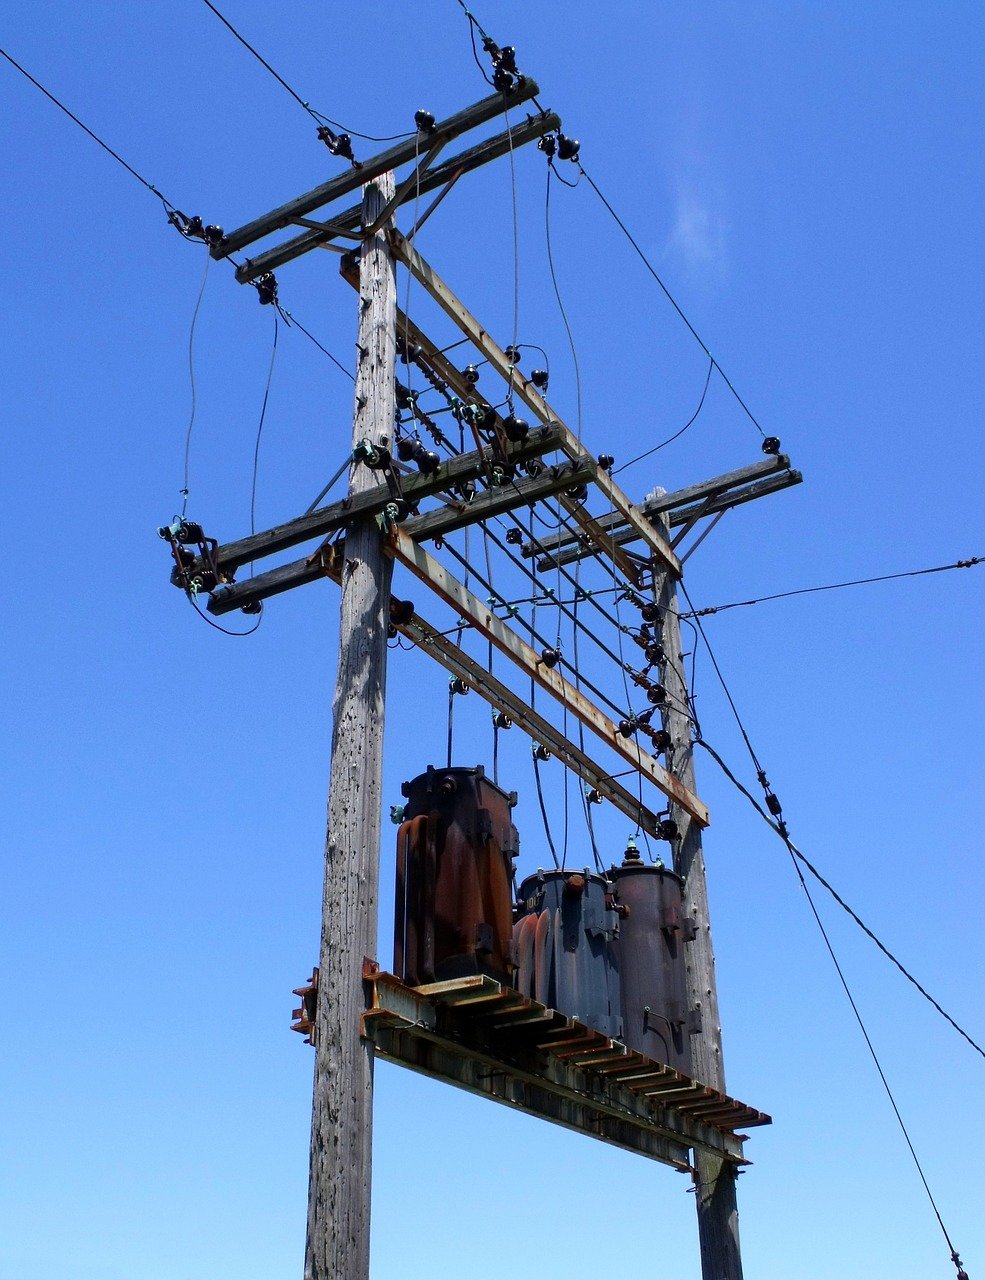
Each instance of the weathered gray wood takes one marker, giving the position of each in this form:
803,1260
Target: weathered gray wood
716,505
718,1219
347,221
340,1173
405,151
372,499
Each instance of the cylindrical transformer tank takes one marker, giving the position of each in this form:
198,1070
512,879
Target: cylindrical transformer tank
562,940
455,851
649,955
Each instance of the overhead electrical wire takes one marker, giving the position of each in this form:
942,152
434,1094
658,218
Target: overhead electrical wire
833,586
191,376
775,808
263,415
317,116
677,434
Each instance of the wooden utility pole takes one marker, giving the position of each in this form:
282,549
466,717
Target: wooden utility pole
342,1107
718,1215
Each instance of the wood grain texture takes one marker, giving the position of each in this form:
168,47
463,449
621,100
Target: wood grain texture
342,1108
718,1218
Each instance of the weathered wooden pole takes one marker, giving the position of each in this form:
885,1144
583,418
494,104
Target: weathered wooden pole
342,1108
718,1215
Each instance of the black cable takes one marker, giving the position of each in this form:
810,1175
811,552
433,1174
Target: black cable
289,318
315,115
169,207
781,829
835,586
205,618
673,301
191,375
802,857
677,434
263,414
557,295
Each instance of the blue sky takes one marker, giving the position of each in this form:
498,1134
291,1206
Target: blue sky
808,178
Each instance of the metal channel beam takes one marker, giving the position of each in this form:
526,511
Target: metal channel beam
485,684
526,392
468,606
469,118
431,180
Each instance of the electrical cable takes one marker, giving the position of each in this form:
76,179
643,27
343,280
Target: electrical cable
256,447
191,375
781,828
169,207
677,434
315,115
290,319
225,631
802,857
673,301
557,295
835,586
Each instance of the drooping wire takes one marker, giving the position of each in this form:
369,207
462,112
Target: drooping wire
290,319
781,829
516,258
191,377
557,295
835,586
677,434
263,415
805,861
315,115
225,631
169,207
671,299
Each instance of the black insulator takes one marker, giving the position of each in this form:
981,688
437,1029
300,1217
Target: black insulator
773,804
266,287
540,378
655,653
667,829
427,460
515,428
577,492
254,606
502,721
466,490
458,685
606,461
533,467
488,420
661,739
650,612
514,536
771,445
377,458
212,235
627,728
547,144
594,796
502,80
656,694
567,148
189,531
405,448
424,121
401,611
507,58
406,399
400,509
541,752
550,657
407,351
471,374
503,474
512,354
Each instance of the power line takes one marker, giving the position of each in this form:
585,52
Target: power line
670,297
677,434
801,857
775,808
263,415
170,208
191,377
317,116
834,586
